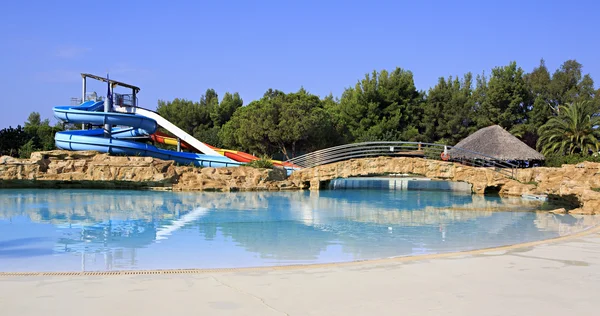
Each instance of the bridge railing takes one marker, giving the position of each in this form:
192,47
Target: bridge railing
403,149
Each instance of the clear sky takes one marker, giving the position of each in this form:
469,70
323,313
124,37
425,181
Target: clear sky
180,48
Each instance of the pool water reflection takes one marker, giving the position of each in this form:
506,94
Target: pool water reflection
91,230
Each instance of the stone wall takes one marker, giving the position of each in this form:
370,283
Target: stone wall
88,169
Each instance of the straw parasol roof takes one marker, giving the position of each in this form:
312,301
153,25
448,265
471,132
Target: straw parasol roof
496,142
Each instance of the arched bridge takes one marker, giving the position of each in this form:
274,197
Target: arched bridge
404,149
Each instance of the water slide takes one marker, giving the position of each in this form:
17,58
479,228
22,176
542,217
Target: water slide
189,142
136,124
239,156
172,128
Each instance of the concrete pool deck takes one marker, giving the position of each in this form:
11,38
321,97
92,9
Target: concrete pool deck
555,277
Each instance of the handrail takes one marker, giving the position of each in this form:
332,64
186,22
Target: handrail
400,148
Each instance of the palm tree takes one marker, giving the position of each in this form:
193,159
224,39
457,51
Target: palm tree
576,129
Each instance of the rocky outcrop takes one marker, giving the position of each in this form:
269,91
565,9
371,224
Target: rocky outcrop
572,183
89,169
231,179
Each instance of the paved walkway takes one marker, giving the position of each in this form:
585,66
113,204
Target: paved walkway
557,278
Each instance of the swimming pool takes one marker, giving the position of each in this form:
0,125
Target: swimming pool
100,230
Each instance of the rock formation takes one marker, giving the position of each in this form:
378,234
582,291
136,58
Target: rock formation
88,169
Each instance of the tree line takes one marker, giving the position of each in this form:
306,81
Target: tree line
556,112
35,135
386,105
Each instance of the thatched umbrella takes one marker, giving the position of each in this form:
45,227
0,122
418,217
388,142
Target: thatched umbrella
496,142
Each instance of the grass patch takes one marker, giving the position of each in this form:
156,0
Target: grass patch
262,163
532,182
596,189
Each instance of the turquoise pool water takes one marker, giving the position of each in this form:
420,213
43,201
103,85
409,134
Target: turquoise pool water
73,230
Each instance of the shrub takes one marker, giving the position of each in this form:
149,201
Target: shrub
557,160
263,162
26,150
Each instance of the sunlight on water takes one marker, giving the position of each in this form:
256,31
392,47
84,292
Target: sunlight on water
66,230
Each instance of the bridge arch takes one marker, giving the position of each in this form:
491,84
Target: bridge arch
430,151
481,179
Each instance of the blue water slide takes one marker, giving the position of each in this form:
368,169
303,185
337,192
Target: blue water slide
121,140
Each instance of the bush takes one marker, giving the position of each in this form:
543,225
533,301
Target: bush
558,160
263,162
26,150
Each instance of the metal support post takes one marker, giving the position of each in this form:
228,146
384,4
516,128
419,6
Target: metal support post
83,88
178,144
107,108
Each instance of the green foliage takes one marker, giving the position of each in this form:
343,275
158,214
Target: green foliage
558,113
27,148
381,106
202,119
596,189
262,163
11,140
209,136
570,85
279,122
557,160
249,128
505,98
547,93
574,130
36,135
526,132
222,113
40,132
449,110
186,114
538,83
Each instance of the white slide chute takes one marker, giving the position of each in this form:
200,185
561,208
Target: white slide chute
178,132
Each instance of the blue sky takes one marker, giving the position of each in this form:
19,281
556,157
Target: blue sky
180,48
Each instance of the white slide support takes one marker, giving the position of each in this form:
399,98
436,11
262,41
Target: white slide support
178,132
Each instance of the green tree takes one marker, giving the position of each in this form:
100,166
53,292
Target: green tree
540,108
249,128
280,123
382,106
448,116
183,113
574,130
341,130
35,119
222,113
505,99
569,85
539,85
202,119
40,132
11,140
189,115
26,149
303,123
